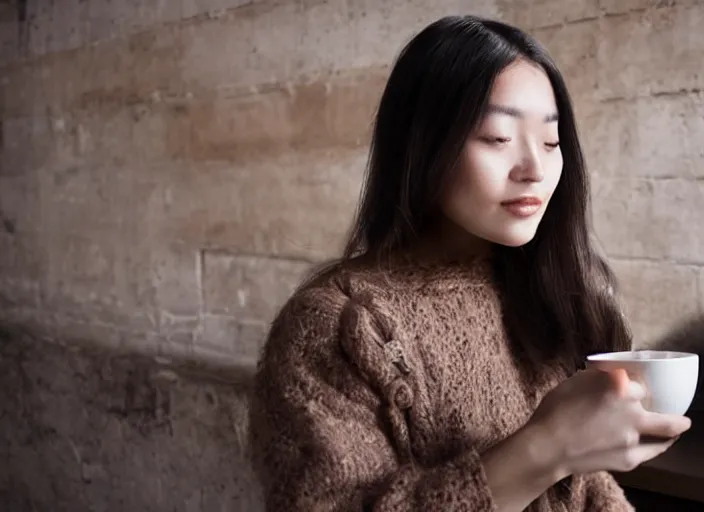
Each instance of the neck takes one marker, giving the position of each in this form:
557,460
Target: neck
448,242
445,243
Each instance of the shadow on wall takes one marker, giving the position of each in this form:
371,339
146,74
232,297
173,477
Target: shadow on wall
88,430
84,429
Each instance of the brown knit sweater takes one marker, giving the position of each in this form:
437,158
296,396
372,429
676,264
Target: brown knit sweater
379,390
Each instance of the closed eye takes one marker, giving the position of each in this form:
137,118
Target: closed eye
553,145
496,140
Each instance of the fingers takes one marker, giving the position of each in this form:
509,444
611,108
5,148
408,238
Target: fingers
643,452
619,382
664,426
635,391
624,459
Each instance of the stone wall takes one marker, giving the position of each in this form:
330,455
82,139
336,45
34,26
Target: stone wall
169,170
90,429
632,67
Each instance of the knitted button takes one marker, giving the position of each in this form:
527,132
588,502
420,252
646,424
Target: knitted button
400,393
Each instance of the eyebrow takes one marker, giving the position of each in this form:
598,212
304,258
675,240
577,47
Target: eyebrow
514,112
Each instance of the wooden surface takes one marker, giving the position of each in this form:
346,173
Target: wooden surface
644,501
679,472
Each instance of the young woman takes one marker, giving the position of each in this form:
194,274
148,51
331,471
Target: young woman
435,367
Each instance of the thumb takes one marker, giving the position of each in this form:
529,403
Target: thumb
635,390
626,387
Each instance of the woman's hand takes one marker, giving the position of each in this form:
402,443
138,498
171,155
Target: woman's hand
597,423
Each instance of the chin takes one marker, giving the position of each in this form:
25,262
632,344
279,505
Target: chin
514,242
515,237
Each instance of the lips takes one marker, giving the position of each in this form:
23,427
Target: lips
523,206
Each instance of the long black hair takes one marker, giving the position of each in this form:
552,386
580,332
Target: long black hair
556,290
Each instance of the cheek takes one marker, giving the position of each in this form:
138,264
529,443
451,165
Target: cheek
553,173
476,186
483,174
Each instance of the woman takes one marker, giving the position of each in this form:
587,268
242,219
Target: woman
434,367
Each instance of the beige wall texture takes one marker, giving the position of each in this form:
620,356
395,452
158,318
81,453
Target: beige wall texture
170,169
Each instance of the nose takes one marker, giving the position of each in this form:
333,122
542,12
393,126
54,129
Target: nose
529,167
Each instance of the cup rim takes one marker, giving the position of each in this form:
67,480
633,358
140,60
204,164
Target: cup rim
627,356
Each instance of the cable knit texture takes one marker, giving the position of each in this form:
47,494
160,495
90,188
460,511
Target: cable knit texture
379,390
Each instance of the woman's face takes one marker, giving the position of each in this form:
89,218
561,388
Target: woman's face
511,163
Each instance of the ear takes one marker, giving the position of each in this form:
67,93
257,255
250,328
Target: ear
688,337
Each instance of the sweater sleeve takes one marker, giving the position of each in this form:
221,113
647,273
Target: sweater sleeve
322,435
603,494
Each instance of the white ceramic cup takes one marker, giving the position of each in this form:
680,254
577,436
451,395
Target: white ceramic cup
670,378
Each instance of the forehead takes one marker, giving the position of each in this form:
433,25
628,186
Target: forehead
524,86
